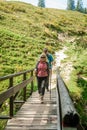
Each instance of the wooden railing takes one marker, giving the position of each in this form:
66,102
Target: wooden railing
68,114
13,90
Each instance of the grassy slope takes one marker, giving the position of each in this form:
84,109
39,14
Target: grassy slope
78,78
25,30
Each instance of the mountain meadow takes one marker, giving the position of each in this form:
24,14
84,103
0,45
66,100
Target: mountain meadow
26,29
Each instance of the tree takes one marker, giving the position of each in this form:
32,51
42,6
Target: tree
70,4
41,3
79,6
85,10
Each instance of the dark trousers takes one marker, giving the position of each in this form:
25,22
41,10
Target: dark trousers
41,81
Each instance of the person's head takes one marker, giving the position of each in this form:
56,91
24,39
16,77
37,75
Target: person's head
45,50
43,57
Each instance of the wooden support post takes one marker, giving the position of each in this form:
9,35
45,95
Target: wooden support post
31,83
11,98
24,90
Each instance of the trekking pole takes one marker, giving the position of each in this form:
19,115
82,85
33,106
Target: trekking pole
50,85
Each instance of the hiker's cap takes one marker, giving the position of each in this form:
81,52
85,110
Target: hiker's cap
45,50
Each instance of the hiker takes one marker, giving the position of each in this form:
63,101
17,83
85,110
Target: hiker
41,72
50,61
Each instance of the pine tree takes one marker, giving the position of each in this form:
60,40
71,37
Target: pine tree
79,6
41,3
85,10
70,5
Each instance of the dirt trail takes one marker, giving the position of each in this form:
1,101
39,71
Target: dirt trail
59,56
66,68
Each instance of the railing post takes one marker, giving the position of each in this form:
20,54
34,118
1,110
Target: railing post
32,83
11,98
24,90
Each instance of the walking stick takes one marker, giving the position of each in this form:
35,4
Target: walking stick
50,84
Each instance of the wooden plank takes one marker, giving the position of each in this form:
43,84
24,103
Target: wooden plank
47,94
36,127
69,128
32,121
36,116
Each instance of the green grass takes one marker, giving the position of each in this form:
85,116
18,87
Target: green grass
77,84
25,30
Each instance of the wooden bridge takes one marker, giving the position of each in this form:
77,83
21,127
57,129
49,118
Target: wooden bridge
56,113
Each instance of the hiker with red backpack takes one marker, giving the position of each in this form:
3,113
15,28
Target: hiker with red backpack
42,72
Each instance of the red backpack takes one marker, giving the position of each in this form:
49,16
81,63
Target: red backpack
46,63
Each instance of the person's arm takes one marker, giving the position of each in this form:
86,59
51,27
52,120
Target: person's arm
36,70
52,60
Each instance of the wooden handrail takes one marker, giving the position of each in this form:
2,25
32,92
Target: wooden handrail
14,75
69,116
12,90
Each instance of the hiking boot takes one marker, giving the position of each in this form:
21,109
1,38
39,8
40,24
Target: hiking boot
47,90
42,99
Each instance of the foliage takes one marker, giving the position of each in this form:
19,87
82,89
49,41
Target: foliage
83,101
70,5
78,80
41,3
79,6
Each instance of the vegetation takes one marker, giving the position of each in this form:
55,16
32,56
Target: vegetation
70,4
79,6
78,82
25,30
41,3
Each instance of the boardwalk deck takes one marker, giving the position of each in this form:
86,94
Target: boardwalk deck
36,116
